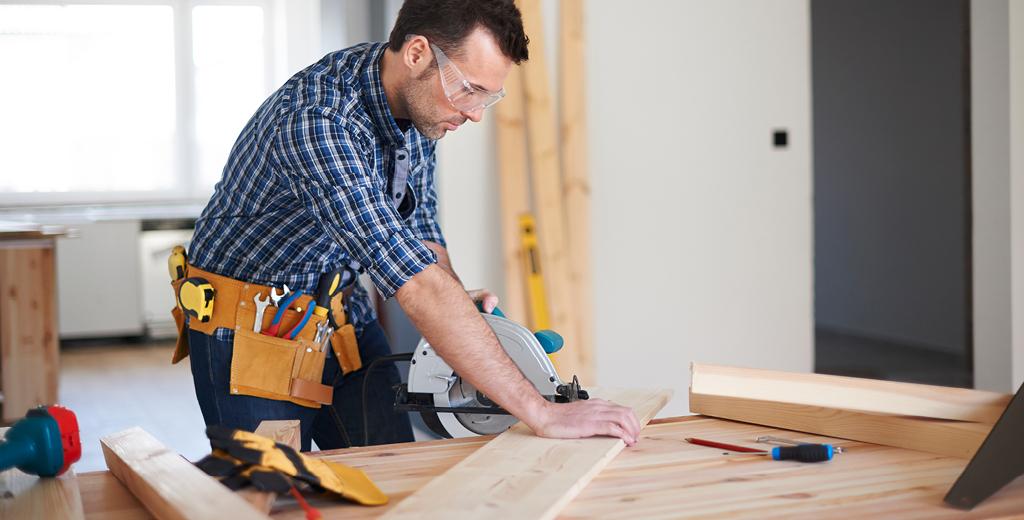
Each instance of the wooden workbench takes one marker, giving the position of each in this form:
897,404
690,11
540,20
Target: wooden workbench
28,317
665,477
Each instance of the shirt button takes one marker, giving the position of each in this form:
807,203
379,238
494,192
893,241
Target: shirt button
401,157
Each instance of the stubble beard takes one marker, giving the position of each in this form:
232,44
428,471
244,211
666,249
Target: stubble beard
423,112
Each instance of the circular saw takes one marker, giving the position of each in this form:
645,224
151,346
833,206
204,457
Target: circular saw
453,407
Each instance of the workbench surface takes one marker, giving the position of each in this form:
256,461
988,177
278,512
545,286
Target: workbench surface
666,477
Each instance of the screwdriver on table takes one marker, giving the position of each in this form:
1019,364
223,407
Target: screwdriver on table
801,453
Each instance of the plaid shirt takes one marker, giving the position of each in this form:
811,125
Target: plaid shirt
306,188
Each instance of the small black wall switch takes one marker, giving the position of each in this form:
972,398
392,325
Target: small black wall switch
780,138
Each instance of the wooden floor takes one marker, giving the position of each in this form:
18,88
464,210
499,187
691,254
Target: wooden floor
115,386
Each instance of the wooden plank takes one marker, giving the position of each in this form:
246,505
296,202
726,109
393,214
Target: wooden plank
520,475
939,436
169,486
664,477
546,182
850,393
572,101
288,433
28,326
513,179
28,496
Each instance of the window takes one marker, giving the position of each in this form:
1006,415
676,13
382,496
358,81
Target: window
97,103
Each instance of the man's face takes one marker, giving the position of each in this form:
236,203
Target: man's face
480,61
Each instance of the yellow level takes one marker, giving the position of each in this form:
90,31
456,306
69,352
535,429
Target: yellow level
536,296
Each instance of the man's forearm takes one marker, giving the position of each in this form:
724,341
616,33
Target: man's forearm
443,259
442,311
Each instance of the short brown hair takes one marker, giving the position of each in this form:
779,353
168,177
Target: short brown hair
446,23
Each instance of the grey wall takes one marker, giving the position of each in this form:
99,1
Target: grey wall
891,190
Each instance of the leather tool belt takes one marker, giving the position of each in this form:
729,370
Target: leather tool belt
265,366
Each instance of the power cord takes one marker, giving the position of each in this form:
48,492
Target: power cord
366,379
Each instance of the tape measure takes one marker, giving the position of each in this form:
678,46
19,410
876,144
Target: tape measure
195,297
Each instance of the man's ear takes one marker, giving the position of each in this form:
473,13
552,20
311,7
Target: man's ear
417,55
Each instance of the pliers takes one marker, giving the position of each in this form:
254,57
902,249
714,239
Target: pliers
275,325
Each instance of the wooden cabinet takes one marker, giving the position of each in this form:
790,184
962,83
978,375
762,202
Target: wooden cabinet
28,318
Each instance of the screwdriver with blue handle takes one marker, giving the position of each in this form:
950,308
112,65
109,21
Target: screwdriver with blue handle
799,452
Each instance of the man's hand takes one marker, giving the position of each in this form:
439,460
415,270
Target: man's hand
442,311
485,298
588,418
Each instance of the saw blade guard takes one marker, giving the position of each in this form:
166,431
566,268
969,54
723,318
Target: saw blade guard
430,374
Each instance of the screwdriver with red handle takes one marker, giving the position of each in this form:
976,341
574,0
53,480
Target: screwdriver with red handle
800,452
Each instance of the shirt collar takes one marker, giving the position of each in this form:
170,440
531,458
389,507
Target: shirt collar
375,101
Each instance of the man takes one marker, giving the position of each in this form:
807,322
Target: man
335,170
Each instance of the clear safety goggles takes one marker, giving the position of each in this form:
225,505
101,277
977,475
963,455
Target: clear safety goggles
462,95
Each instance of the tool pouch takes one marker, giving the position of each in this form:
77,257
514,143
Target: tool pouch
181,348
278,368
343,341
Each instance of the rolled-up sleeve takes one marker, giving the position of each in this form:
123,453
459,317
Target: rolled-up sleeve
424,219
322,163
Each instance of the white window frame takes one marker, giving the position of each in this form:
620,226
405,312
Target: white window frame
185,169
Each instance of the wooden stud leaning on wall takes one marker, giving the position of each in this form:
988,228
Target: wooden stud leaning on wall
513,181
546,181
572,101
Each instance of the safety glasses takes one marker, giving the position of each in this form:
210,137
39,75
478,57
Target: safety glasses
463,96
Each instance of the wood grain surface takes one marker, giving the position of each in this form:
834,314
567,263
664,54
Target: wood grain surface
28,496
521,475
939,436
849,393
168,485
29,356
665,477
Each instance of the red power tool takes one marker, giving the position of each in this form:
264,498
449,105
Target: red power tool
44,443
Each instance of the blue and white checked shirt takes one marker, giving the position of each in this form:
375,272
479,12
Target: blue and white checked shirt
306,187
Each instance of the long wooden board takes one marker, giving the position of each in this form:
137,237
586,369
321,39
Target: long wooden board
513,175
169,486
520,475
849,393
28,496
546,181
939,436
573,116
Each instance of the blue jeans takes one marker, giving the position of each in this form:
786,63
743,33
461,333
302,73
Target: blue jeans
339,425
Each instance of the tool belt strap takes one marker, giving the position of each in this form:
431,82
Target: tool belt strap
232,294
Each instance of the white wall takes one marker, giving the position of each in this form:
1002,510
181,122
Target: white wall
997,85
1017,180
702,232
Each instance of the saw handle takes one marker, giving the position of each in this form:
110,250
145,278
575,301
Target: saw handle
550,340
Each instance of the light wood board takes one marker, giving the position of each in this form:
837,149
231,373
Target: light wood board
939,436
169,486
572,113
547,188
520,475
513,177
28,326
849,393
664,477
28,496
